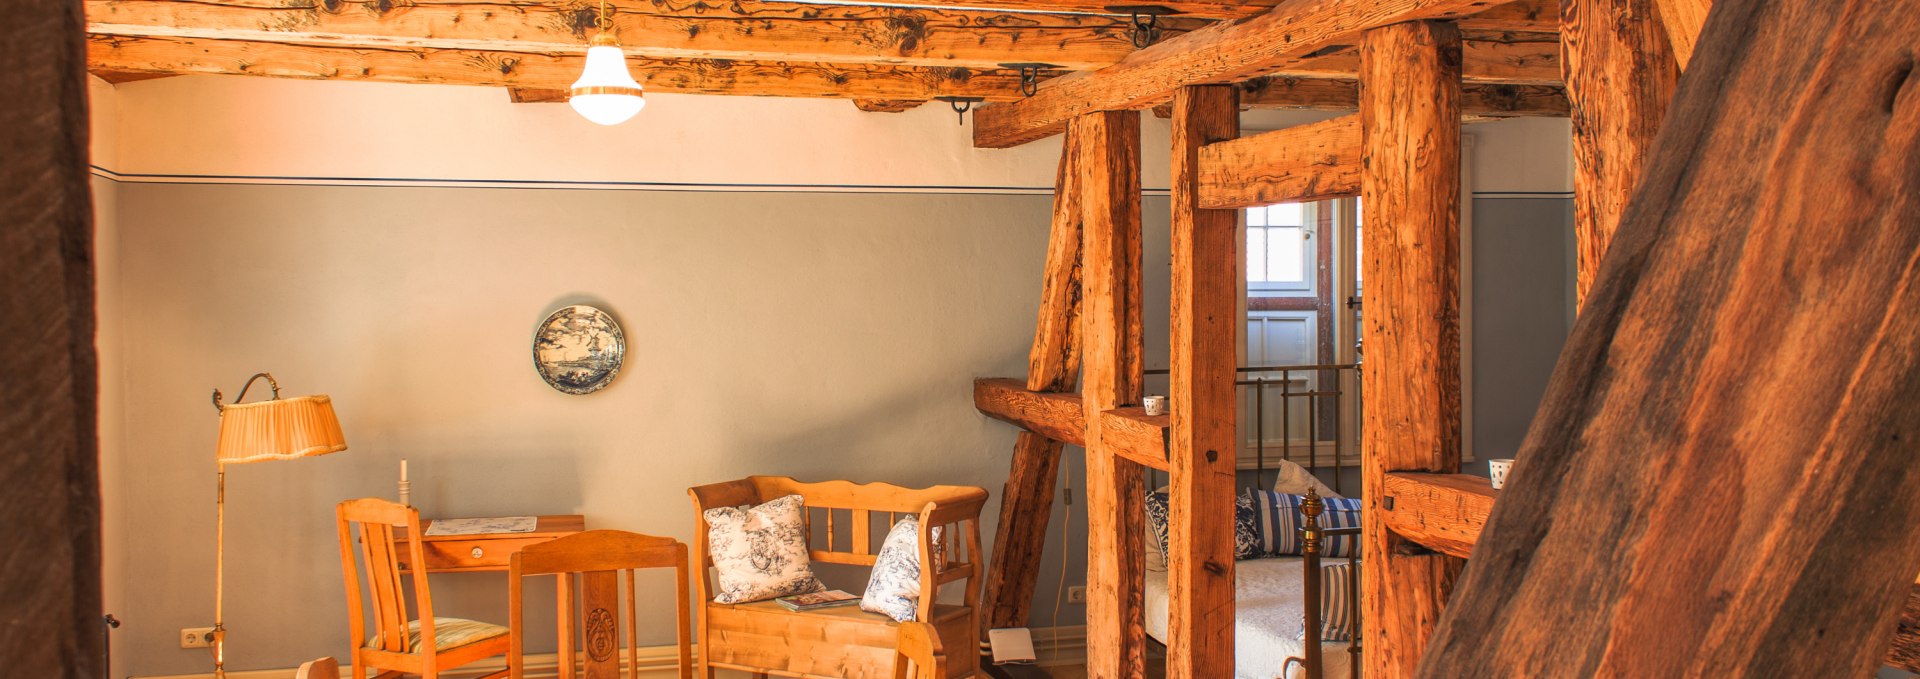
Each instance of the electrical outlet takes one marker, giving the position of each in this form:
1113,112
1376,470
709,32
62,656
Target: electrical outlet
1076,594
196,637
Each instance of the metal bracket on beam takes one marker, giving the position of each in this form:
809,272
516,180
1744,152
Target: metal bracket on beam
1029,75
961,105
1145,20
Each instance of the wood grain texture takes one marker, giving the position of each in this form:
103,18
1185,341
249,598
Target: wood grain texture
49,451
537,95
1442,512
1060,417
1308,162
1053,364
1477,100
1683,20
887,105
1106,157
1620,74
1133,434
1686,465
1220,53
1507,58
1203,357
1410,122
738,30
1905,650
555,70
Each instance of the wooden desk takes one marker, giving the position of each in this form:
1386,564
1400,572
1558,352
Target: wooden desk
484,551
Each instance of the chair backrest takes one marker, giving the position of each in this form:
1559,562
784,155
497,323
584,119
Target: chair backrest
844,508
323,668
379,557
592,570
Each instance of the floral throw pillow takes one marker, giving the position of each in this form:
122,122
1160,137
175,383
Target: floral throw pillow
760,553
1248,541
894,588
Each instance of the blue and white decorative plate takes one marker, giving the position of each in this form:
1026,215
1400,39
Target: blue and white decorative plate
578,349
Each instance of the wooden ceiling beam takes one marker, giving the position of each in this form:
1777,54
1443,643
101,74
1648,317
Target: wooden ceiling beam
1318,94
742,30
1518,59
1520,15
887,105
537,95
537,70
1304,163
1224,52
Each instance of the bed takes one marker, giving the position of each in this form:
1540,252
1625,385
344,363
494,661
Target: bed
1267,602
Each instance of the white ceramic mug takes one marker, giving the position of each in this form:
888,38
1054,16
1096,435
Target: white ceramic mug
1498,470
1155,405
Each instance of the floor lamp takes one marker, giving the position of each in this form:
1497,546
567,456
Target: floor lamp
276,429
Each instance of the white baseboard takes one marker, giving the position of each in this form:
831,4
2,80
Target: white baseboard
1053,645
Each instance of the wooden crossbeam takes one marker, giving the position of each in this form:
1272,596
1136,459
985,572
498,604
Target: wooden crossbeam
1223,52
1410,183
1519,15
1442,512
1318,94
1683,19
887,105
1532,59
738,30
1691,498
536,95
1133,434
1107,160
535,70
1620,75
1204,305
1302,163
1057,416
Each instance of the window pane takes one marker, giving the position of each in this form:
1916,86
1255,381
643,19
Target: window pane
1286,255
1256,216
1286,214
1256,255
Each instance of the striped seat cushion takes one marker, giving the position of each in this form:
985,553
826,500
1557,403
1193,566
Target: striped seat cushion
1336,602
1278,520
448,633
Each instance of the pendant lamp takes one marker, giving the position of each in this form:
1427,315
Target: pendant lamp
606,92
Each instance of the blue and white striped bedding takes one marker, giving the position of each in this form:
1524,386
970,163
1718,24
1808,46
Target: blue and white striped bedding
1269,600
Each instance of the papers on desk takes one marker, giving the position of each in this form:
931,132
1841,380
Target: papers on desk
498,524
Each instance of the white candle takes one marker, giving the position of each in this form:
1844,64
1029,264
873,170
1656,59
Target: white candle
403,469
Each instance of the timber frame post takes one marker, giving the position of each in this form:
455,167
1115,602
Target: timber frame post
1410,182
1204,309
1106,150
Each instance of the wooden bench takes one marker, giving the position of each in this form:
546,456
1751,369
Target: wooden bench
844,642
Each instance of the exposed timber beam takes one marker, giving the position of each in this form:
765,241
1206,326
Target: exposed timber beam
1302,163
1056,416
1442,512
1053,365
1530,59
537,95
119,77
887,105
1220,53
1905,651
739,30
1316,94
1519,15
1620,75
1410,183
1133,434
1204,310
1683,20
1107,159
548,71
1685,465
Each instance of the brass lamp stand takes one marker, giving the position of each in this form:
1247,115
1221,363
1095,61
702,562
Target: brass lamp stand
276,429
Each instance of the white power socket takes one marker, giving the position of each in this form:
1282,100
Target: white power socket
196,637
1077,594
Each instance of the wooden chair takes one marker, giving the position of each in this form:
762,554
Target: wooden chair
844,642
589,569
919,645
425,646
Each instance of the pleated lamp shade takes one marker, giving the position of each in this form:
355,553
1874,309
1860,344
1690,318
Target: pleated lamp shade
280,429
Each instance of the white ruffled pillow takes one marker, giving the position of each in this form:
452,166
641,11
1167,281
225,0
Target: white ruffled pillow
1293,479
760,553
894,588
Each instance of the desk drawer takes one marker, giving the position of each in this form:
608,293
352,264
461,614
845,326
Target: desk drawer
484,554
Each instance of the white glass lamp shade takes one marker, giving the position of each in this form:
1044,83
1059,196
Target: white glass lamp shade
606,93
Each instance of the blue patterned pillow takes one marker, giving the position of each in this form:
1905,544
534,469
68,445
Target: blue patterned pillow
1247,540
1278,518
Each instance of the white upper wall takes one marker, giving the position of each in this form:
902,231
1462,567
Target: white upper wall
224,128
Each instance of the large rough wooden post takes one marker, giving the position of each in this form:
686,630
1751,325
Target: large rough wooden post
1720,481
1410,183
1200,388
1107,150
1683,19
50,592
1620,73
1053,364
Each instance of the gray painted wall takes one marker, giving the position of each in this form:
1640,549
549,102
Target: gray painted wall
1522,310
814,335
